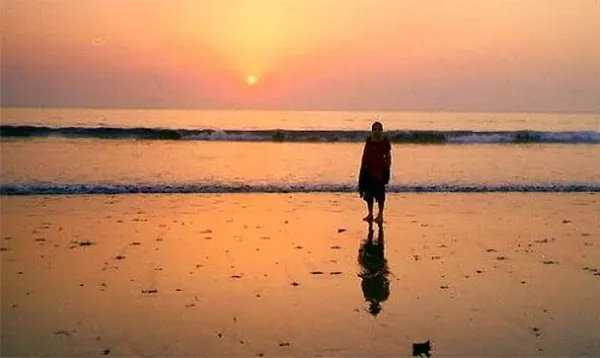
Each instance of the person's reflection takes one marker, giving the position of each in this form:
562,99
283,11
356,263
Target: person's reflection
374,271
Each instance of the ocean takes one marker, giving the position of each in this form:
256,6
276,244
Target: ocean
54,151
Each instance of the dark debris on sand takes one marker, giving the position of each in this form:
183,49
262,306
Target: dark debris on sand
75,244
63,332
550,262
594,271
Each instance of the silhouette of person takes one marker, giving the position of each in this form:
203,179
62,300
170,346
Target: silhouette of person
374,270
374,172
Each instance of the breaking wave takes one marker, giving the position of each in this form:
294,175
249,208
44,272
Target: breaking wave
110,189
281,135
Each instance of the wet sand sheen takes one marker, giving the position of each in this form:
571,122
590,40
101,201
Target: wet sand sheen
281,275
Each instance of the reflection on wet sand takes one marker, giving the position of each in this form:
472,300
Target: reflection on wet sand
374,271
250,275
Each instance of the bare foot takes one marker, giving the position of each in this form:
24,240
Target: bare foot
368,218
379,219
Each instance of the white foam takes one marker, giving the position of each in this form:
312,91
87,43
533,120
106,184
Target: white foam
84,189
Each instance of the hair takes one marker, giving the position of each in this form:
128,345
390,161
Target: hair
376,124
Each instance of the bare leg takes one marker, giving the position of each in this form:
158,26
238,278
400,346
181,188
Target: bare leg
369,200
379,218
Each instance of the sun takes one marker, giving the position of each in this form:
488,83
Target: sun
251,80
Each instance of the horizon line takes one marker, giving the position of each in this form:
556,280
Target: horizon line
333,109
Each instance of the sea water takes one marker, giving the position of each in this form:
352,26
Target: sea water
107,151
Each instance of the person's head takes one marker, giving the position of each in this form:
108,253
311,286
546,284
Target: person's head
377,130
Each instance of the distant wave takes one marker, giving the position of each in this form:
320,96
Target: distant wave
107,189
281,135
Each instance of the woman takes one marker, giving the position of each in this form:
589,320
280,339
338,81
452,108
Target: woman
375,171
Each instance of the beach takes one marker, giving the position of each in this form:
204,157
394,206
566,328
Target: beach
186,179
477,274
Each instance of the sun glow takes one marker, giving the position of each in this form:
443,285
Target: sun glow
251,80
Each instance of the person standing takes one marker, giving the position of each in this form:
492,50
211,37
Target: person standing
375,171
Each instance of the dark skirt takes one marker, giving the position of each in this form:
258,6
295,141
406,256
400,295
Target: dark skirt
371,187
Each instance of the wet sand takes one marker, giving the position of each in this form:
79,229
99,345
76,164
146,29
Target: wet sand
292,275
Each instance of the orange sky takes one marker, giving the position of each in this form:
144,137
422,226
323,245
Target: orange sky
336,54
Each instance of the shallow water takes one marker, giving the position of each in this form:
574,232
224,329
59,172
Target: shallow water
277,165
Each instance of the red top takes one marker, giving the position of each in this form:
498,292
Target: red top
376,156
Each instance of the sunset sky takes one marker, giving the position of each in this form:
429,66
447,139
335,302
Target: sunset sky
455,55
